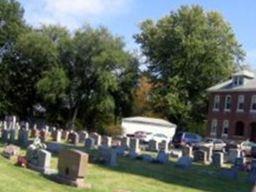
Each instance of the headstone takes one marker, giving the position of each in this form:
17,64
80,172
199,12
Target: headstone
239,163
184,162
208,151
44,160
34,133
164,146
125,142
73,138
43,135
23,137
218,159
233,154
97,138
72,168
64,135
11,151
106,141
200,156
153,145
82,136
89,143
162,157
57,136
134,148
13,135
187,151
5,135
38,158
107,156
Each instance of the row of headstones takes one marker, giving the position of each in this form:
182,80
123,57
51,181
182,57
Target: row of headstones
72,164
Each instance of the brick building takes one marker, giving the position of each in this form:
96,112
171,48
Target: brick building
232,108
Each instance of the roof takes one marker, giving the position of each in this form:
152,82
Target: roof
149,120
244,73
228,86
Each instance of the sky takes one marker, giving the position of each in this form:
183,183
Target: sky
122,17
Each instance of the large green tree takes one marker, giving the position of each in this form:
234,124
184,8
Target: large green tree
11,26
187,51
92,68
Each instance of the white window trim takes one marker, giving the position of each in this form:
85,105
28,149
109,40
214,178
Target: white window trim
214,122
214,102
225,125
252,110
237,109
225,109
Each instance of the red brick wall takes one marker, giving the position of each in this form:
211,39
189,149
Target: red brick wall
233,116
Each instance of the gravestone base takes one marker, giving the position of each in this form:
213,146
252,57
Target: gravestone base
46,171
78,182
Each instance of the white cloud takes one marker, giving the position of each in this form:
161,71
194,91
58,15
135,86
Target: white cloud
73,13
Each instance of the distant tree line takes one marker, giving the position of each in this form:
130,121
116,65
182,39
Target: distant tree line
86,79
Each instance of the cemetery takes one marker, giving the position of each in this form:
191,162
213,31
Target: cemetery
95,162
127,96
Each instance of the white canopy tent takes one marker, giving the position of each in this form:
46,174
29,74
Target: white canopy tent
131,125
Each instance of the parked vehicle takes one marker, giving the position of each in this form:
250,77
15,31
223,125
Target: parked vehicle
246,148
186,138
159,137
216,144
143,136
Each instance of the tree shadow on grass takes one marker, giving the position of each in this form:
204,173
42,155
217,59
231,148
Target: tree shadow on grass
201,177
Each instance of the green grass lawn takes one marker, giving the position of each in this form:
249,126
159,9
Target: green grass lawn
129,175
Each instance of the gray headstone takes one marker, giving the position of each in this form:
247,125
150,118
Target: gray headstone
108,156
200,156
5,135
187,151
162,157
89,143
153,145
82,136
233,154
218,159
134,150
184,162
97,139
106,141
125,143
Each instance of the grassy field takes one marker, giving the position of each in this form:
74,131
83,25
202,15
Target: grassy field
128,176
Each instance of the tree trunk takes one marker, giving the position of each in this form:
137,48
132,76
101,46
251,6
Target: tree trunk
73,120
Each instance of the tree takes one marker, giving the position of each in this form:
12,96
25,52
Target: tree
143,97
33,54
11,25
188,51
92,65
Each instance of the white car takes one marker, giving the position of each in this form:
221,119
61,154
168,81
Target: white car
216,144
159,137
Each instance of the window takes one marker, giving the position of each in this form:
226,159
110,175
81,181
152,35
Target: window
216,104
253,103
240,103
225,128
214,127
238,80
239,131
228,103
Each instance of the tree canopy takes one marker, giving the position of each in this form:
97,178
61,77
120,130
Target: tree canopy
187,51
